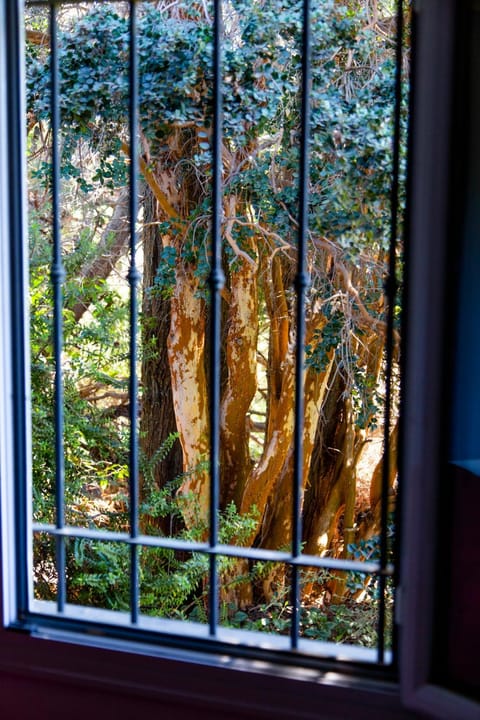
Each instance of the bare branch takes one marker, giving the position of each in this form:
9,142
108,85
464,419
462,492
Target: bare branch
113,244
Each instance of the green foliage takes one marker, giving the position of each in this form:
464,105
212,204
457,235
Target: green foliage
147,465
367,402
350,176
355,621
94,369
332,342
325,340
165,275
99,573
172,584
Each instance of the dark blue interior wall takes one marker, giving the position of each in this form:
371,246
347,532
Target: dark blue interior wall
465,443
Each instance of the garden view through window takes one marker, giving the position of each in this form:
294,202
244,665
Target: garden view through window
290,533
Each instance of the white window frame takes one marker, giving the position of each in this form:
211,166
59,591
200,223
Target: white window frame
261,689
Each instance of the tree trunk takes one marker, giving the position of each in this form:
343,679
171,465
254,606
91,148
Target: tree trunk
325,494
277,531
186,356
157,420
241,377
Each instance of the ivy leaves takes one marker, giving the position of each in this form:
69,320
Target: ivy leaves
351,100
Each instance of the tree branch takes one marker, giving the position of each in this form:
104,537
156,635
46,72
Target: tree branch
112,245
152,183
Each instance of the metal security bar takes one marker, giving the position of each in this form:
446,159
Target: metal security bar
58,277
216,281
134,538
134,280
302,281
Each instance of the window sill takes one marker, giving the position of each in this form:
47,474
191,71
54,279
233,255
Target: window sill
220,684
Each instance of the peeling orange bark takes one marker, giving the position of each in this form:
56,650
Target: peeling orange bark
241,382
280,524
264,476
280,327
186,350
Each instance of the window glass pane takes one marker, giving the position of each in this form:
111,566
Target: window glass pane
346,396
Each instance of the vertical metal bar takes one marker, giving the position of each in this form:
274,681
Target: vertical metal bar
216,282
134,280
390,293
57,279
405,291
301,284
